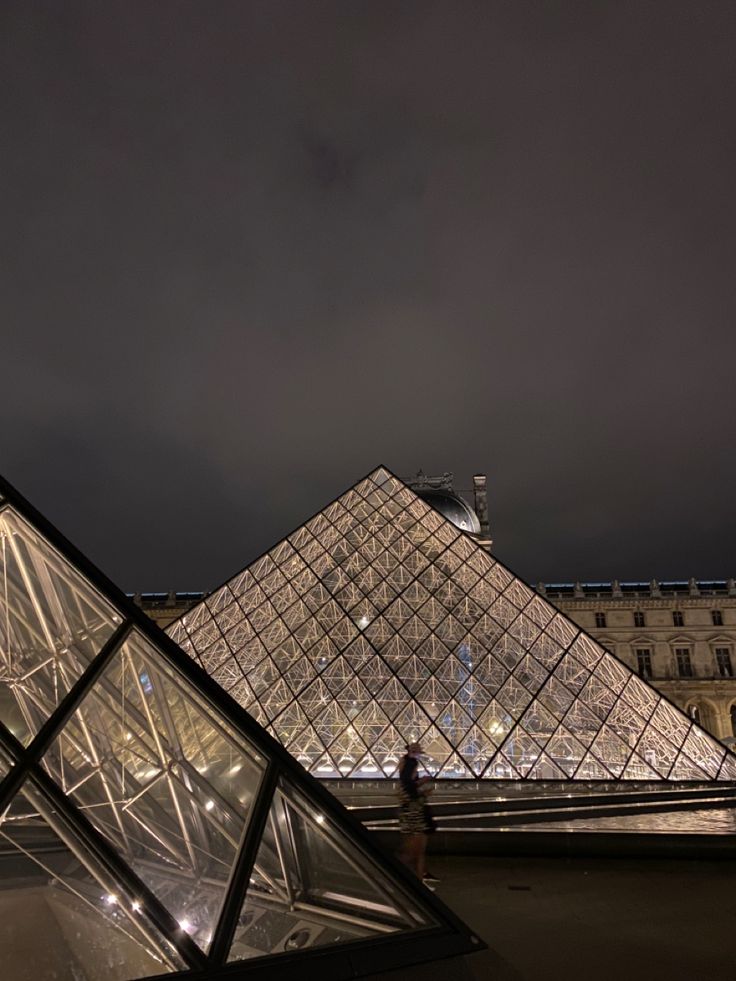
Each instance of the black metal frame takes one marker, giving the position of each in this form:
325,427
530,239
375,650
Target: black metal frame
223,935
449,937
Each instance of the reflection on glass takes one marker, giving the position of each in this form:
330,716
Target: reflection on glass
52,623
61,915
312,886
167,781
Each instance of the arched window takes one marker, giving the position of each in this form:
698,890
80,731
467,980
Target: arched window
733,719
694,712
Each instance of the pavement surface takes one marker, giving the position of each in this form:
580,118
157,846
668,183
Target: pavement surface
595,920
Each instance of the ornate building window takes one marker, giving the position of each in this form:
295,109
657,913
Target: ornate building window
717,618
684,664
600,619
677,618
694,712
723,662
644,662
639,618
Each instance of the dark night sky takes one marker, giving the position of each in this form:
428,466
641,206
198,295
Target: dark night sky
252,250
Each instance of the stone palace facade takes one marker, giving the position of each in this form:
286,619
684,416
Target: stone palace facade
680,636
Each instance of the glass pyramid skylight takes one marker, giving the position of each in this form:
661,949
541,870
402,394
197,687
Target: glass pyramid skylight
147,824
378,622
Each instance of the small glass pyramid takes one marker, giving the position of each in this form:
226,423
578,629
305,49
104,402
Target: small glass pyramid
147,824
378,622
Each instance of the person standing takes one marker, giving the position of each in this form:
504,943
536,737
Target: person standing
415,822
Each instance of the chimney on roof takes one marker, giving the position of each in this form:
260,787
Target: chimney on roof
480,496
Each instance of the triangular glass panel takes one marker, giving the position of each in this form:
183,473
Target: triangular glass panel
638,769
326,766
545,768
592,769
687,769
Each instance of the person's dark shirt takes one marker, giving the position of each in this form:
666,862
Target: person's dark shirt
408,776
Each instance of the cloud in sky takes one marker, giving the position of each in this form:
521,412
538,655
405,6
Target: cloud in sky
251,251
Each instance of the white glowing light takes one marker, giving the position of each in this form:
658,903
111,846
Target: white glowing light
209,805
235,769
110,899
320,819
185,925
136,906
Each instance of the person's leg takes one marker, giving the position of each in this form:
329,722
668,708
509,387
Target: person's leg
421,850
412,852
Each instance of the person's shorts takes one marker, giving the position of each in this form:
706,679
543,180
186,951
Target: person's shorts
412,817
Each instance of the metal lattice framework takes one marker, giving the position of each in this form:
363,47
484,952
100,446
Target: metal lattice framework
146,816
378,622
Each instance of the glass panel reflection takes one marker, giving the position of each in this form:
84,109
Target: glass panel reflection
168,782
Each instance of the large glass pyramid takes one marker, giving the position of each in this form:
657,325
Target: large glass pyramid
147,824
378,622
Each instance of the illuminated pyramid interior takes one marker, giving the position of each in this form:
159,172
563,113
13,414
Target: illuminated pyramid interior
379,622
147,824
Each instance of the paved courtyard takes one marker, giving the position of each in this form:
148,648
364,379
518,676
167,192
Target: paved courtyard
595,920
